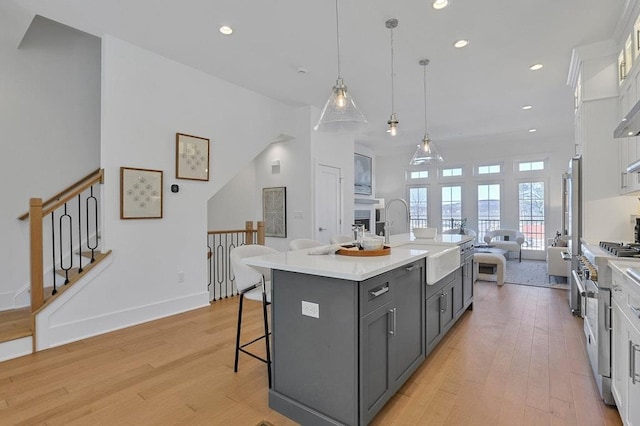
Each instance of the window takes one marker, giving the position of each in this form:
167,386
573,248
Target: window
491,169
451,206
418,206
422,174
488,209
457,171
529,166
531,208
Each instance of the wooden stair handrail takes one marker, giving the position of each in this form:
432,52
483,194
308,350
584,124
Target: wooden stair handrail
248,230
68,193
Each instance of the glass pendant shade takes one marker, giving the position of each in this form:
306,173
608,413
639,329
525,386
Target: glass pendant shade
426,154
393,124
340,113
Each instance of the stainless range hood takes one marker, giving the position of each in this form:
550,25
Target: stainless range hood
630,124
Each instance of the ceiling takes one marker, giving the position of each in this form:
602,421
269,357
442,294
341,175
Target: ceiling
473,94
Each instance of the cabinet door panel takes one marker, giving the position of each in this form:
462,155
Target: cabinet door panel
374,364
457,294
620,358
633,396
408,338
433,318
467,281
448,314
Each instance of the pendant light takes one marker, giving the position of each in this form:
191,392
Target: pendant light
393,120
340,113
426,154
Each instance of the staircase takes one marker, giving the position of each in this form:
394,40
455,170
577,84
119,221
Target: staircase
69,220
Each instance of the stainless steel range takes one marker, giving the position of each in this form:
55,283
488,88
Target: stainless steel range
593,281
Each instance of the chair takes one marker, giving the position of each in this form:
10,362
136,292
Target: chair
339,239
466,231
556,264
303,243
253,283
507,239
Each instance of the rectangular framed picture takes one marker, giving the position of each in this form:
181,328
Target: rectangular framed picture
362,174
192,157
140,193
274,211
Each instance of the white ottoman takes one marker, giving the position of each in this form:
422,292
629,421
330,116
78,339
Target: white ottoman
491,259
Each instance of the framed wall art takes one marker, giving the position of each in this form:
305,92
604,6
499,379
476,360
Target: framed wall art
362,174
192,157
140,193
274,211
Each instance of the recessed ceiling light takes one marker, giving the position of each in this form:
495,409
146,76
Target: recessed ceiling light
535,67
527,107
226,30
533,130
440,4
460,43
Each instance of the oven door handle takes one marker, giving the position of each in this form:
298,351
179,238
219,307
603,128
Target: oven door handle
583,292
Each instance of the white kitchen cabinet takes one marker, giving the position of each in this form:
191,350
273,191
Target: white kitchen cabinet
625,345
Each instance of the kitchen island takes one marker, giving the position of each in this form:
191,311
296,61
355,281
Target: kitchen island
349,331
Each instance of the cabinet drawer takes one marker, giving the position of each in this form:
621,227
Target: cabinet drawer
374,293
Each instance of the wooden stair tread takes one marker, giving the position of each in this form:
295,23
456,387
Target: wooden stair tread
73,277
73,272
14,324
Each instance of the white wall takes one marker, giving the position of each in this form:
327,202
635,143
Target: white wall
241,198
146,99
50,120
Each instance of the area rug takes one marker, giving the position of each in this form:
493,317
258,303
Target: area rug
532,272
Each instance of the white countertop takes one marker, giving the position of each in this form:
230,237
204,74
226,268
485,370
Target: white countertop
404,249
337,266
440,239
622,266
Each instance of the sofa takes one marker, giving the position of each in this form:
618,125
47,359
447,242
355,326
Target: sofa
556,265
506,239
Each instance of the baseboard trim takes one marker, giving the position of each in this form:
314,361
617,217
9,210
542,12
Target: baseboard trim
16,348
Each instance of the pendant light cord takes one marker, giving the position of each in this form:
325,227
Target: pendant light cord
425,99
338,38
393,109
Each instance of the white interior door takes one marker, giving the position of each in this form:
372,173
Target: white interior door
327,202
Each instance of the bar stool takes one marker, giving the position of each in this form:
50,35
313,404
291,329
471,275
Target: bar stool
253,283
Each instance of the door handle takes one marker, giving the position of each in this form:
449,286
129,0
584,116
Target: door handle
322,229
633,348
441,302
410,268
392,317
608,326
379,292
635,310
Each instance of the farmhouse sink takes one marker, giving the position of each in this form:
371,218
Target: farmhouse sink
441,261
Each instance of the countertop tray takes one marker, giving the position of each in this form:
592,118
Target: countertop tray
365,253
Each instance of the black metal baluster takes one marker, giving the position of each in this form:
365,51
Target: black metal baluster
92,200
79,234
53,253
66,218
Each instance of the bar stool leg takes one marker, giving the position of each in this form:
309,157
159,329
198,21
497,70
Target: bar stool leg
235,366
266,335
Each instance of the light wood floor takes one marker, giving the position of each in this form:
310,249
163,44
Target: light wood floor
518,358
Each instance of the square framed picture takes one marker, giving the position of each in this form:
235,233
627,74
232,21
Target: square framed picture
274,211
192,157
362,174
140,193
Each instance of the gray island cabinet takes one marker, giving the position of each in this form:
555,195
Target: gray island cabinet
347,331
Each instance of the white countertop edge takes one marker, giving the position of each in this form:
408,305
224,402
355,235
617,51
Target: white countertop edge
350,268
622,266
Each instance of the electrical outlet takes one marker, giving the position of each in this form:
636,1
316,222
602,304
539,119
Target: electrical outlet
310,309
180,277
